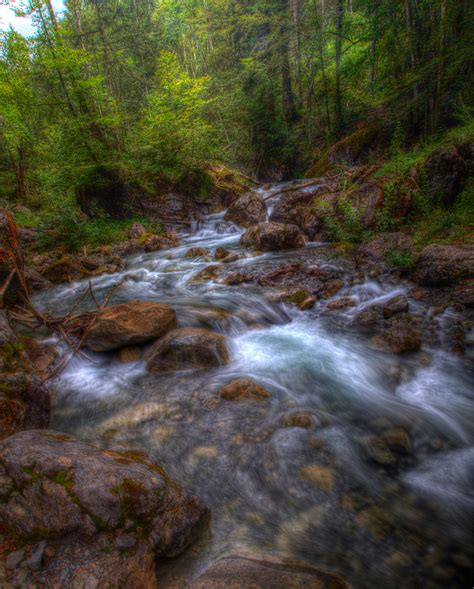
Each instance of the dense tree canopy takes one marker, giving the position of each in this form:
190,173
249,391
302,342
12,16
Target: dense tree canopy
156,89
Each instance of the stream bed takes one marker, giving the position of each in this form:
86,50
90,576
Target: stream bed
309,493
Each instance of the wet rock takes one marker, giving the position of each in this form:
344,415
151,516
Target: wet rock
377,449
395,305
398,559
331,288
197,252
318,475
371,315
247,210
398,440
221,253
302,298
442,265
24,402
187,348
447,171
376,521
341,304
243,389
83,502
234,279
303,420
128,324
403,334
238,572
129,354
136,231
207,273
273,236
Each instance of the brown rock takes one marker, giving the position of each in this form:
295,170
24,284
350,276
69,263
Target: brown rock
207,273
376,521
318,475
129,354
403,334
342,303
397,439
238,572
331,288
129,323
247,210
244,389
187,348
107,514
234,279
377,448
297,420
273,236
441,265
302,298
221,253
395,305
197,252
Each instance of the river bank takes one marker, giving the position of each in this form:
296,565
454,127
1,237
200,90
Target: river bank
355,458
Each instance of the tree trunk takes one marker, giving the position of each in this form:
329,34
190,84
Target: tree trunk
338,96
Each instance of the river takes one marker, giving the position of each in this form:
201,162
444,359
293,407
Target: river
306,493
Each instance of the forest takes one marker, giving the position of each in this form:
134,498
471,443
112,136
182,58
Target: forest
236,294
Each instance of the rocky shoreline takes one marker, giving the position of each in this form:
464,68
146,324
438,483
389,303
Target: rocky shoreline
77,516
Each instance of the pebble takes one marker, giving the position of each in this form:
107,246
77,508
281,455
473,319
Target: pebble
320,476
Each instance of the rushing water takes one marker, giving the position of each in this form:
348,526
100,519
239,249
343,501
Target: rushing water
310,493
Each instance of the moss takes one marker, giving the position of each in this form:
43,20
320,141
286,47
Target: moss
11,354
31,473
399,259
297,297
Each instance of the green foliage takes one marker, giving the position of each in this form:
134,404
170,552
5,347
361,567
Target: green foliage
152,92
74,234
399,259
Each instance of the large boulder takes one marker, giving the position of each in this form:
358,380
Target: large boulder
447,171
247,210
291,207
100,517
443,265
187,348
241,572
273,236
24,401
128,324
